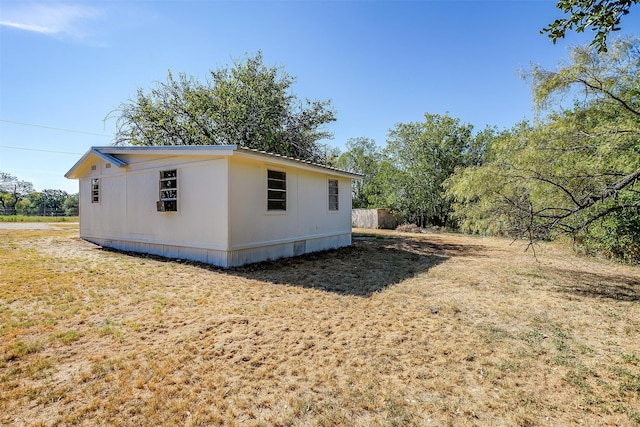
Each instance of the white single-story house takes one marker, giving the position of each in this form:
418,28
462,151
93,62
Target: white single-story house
219,204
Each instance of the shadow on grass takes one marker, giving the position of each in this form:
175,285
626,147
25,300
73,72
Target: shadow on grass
369,265
594,285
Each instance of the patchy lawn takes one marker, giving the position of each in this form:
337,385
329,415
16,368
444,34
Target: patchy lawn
398,329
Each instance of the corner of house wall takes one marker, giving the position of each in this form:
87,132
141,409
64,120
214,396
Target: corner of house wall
229,227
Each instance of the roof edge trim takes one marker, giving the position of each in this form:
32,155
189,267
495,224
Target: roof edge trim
108,153
109,158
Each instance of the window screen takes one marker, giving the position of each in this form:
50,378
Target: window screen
95,190
333,195
276,190
168,191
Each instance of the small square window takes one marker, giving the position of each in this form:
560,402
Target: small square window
333,195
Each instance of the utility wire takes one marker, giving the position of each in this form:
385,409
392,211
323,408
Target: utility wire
35,149
52,128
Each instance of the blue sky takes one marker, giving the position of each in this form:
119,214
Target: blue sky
65,65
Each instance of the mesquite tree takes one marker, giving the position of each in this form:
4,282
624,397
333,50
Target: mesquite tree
249,104
573,172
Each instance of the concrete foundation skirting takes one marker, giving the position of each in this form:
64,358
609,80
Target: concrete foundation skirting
231,258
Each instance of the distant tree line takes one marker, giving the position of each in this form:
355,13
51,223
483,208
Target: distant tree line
18,197
574,171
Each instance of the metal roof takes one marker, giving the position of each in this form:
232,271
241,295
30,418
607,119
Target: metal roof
109,153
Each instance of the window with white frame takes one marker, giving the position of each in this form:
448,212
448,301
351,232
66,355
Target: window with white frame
95,190
276,190
333,195
168,191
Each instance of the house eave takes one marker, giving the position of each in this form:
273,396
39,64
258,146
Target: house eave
110,153
72,173
199,150
303,164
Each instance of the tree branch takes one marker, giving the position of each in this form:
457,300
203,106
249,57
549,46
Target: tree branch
610,94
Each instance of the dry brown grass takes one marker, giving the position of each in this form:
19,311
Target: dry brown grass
398,329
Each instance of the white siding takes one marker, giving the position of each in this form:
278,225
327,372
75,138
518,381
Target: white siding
127,208
222,215
307,215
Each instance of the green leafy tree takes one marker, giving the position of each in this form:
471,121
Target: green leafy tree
616,235
53,200
30,205
363,157
70,205
249,104
418,158
329,154
573,172
601,16
26,207
12,190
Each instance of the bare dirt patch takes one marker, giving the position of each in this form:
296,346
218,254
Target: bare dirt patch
399,329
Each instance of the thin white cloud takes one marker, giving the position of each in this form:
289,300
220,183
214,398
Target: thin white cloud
51,18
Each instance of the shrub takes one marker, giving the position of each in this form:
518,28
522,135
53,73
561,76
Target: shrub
617,237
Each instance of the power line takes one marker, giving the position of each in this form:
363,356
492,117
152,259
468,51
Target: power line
35,149
52,128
